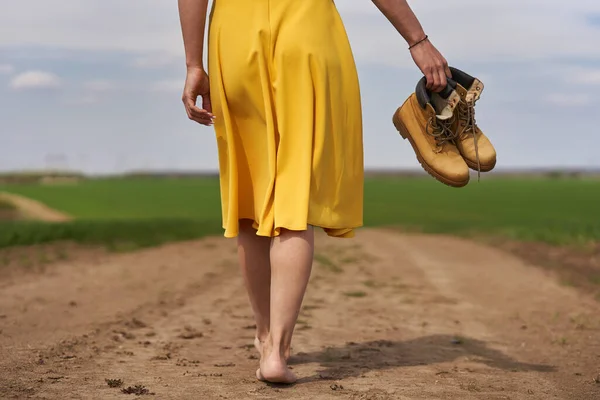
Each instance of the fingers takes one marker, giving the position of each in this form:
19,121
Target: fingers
435,81
201,116
447,69
206,104
194,113
442,79
429,75
437,78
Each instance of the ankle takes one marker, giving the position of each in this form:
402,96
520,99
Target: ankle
262,336
277,347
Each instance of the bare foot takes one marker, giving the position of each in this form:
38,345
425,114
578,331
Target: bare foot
258,345
273,367
275,370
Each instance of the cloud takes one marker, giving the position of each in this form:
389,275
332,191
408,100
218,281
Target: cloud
480,31
6,69
100,86
521,49
73,24
35,80
154,61
472,30
594,19
586,76
82,100
168,86
92,92
568,99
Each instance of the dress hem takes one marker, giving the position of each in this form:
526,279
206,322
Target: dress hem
337,232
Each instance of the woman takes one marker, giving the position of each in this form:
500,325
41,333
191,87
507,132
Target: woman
284,99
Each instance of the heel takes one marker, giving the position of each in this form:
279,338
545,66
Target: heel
400,126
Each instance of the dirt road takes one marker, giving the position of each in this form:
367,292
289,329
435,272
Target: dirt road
33,209
387,316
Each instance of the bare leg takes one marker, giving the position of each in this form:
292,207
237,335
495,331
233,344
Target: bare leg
253,253
291,263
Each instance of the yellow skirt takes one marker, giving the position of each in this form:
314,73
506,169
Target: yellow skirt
285,93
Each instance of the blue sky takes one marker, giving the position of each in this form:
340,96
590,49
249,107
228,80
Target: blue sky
96,85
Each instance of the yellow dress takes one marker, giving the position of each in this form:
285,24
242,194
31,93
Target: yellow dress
285,94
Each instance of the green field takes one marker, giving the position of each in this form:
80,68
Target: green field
132,212
4,205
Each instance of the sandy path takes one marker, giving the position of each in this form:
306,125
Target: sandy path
387,316
32,209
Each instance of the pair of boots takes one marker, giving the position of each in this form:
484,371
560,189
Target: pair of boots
442,130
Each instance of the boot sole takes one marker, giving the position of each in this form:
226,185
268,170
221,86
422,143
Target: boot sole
406,135
484,168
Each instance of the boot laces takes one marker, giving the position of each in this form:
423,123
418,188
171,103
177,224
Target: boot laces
441,131
466,113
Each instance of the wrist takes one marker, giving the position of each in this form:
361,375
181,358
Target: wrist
413,35
424,38
194,67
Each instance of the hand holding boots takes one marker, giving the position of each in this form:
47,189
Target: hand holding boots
442,130
432,64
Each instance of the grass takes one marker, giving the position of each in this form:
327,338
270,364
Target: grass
132,212
556,211
7,211
6,205
373,284
357,293
328,263
131,198
114,383
562,341
117,235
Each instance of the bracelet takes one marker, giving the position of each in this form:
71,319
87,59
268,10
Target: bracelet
420,41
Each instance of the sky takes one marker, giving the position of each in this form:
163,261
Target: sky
96,85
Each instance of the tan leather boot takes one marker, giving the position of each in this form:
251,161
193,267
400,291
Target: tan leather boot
430,134
475,147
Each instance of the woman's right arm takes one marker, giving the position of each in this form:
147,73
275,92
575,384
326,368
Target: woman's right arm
192,14
429,60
